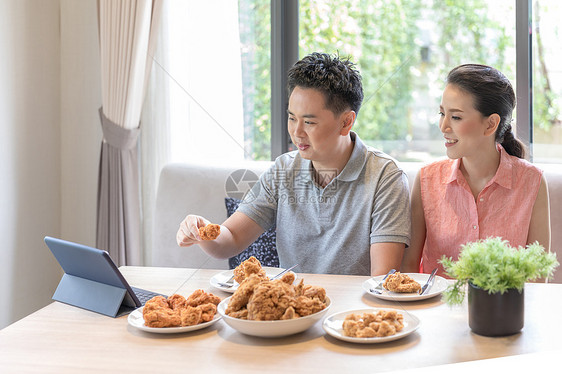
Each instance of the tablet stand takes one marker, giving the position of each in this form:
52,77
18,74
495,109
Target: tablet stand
87,294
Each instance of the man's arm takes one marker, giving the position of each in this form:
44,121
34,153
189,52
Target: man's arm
386,256
391,218
237,233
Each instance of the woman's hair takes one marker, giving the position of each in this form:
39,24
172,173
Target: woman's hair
492,93
336,78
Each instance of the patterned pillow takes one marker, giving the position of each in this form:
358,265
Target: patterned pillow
264,248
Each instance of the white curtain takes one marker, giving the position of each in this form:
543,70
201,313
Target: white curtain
193,108
155,149
127,33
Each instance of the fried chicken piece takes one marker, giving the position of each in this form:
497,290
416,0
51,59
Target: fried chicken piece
309,299
157,302
190,315
369,318
247,268
157,313
241,314
366,332
314,292
270,300
390,314
209,232
402,283
288,278
208,312
385,329
176,301
299,288
305,306
162,318
352,317
394,318
242,295
289,314
350,327
200,297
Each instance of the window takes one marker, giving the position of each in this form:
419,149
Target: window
222,96
215,58
547,81
255,34
404,50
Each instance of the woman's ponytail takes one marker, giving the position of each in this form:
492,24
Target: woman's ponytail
510,143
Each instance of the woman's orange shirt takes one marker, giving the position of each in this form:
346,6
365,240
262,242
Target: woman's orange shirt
453,217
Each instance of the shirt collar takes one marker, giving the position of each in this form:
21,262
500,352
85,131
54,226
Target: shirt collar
305,170
455,170
350,171
356,161
503,175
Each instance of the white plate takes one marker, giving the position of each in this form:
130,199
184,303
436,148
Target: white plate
271,329
225,275
135,319
439,285
333,326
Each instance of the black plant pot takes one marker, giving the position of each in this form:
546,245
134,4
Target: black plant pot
495,314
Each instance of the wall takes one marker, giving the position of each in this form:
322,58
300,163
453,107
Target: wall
30,170
49,149
81,132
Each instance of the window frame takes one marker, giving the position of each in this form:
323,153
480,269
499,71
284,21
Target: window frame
524,72
284,53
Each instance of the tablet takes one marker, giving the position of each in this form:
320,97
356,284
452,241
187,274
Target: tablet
93,281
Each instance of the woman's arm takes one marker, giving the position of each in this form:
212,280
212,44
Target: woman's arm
539,227
412,254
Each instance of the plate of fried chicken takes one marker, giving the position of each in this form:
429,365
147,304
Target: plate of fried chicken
272,308
371,325
176,313
404,286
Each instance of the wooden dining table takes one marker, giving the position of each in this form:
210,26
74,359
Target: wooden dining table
63,338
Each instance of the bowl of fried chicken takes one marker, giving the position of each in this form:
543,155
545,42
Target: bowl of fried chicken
273,308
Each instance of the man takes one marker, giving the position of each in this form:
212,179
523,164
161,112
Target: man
340,207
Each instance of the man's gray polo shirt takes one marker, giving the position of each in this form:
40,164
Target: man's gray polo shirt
329,230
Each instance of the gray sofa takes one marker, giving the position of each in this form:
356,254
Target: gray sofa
197,189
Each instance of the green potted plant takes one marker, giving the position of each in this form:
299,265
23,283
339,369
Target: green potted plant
495,274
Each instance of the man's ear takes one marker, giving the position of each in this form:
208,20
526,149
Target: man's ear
492,123
348,119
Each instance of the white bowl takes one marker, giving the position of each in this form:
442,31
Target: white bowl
271,329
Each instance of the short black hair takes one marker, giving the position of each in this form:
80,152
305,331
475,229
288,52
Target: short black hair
337,78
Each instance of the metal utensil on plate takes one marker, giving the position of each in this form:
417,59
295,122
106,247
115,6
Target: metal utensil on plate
429,282
283,272
378,288
230,282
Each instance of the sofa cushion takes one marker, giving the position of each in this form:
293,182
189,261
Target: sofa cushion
264,248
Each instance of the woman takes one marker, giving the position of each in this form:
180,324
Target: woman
485,188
